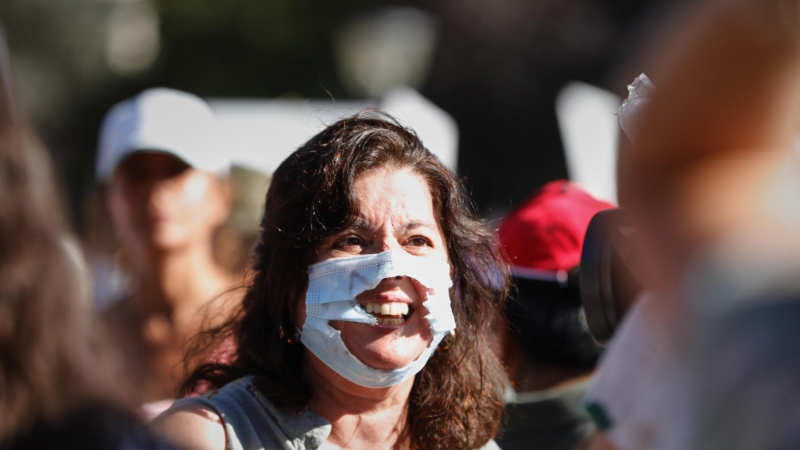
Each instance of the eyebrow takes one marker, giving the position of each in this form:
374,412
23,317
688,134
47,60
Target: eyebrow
414,225
361,224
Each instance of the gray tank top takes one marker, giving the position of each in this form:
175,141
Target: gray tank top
253,423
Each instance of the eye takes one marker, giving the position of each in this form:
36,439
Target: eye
350,241
419,241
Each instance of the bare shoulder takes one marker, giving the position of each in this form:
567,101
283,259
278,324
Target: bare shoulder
192,427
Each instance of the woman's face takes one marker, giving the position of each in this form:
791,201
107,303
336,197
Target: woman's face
158,203
395,213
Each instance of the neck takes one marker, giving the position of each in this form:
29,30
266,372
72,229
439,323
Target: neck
534,376
531,374
176,279
361,417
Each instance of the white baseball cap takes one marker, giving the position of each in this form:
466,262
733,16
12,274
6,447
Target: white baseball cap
162,120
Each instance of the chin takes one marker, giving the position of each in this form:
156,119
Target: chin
165,242
384,355
387,363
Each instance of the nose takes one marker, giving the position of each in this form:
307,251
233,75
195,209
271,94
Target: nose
404,284
385,243
388,284
394,280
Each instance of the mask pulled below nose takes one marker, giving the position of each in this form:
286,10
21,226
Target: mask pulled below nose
333,286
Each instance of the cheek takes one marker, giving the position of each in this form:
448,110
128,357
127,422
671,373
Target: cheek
196,193
119,210
196,189
202,201
420,290
300,313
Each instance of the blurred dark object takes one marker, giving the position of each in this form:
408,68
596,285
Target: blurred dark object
97,426
547,420
546,317
608,286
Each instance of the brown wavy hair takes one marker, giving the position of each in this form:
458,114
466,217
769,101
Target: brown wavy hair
455,402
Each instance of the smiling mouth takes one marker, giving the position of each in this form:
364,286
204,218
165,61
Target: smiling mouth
390,313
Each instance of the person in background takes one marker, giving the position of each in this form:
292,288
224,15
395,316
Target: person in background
712,187
547,349
163,165
60,384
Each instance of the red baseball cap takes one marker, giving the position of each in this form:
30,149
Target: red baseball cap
545,234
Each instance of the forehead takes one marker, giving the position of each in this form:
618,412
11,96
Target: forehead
399,195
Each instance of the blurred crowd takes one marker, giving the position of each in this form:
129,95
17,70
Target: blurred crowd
353,296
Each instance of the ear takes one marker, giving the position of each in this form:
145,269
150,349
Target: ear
113,204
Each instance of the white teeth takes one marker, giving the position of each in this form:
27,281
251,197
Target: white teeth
387,309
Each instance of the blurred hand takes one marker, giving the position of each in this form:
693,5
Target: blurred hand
597,441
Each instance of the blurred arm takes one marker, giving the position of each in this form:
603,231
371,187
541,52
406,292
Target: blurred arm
597,441
192,428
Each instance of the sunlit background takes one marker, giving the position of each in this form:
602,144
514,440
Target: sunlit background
487,77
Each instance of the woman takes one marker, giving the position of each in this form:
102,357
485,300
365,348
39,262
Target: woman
343,362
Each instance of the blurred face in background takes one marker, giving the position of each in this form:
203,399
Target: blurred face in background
159,204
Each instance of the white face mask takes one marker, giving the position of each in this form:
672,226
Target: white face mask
333,285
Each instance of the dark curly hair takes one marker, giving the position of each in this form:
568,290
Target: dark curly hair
455,401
